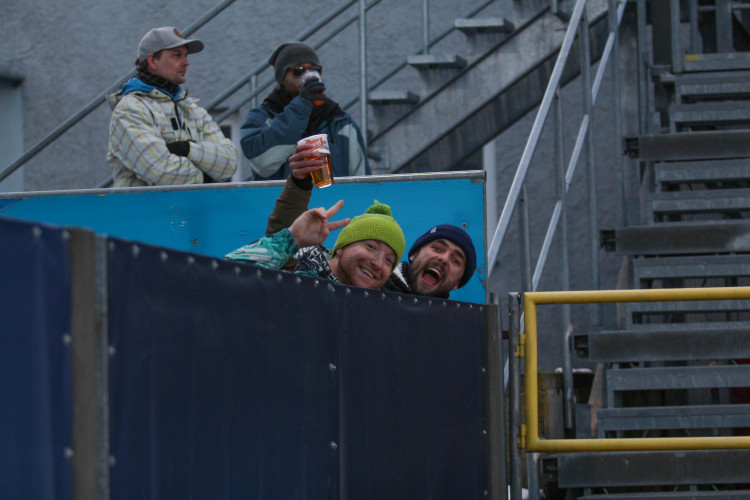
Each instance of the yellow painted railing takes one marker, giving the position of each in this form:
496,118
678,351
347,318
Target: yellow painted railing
536,444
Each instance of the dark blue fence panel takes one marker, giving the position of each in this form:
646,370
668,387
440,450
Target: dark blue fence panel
35,375
234,382
221,383
414,393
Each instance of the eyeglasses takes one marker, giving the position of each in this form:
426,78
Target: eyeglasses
298,70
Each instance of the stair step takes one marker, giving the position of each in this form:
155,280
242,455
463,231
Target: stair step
653,468
690,145
713,85
393,97
656,418
687,343
702,171
677,377
709,201
433,61
484,25
676,238
700,312
687,267
709,113
717,62
673,495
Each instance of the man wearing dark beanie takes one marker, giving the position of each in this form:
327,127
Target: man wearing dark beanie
294,110
441,260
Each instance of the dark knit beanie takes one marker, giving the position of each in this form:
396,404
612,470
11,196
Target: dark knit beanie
289,54
456,235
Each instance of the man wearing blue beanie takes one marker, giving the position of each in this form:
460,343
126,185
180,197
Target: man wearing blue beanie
441,260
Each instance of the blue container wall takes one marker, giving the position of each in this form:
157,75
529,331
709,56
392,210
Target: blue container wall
213,221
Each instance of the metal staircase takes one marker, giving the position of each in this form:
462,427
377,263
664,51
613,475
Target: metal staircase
677,368
465,100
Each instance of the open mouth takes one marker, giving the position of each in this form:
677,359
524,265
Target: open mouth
431,276
367,273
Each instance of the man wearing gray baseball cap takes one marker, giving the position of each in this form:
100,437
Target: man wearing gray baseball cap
157,135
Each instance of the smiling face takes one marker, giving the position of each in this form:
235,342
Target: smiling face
366,263
170,64
436,268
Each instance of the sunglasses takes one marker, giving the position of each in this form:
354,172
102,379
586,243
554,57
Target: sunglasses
298,70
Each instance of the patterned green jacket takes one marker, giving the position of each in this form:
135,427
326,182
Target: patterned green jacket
273,251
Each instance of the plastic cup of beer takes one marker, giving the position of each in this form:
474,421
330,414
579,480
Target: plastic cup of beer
324,176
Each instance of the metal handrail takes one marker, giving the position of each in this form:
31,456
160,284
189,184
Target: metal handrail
533,442
98,100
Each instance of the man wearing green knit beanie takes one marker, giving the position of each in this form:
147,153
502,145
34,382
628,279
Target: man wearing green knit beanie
365,253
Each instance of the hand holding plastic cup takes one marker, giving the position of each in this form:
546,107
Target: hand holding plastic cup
322,177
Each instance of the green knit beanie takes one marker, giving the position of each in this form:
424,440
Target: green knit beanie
377,223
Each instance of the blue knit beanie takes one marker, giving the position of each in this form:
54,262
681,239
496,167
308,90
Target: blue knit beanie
456,235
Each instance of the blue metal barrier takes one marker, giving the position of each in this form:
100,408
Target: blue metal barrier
215,219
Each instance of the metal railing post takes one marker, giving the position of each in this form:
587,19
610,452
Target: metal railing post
363,68
514,392
562,237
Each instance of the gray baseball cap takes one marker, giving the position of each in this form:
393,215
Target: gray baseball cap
165,38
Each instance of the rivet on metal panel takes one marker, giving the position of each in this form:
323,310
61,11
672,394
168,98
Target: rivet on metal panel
334,445
67,339
484,432
332,367
65,235
331,288
400,299
458,305
164,256
445,304
135,250
382,296
366,293
258,273
36,231
429,302
68,453
298,280
464,224
348,291
112,351
112,461
237,270
190,260
214,265
279,277
484,370
111,246
316,283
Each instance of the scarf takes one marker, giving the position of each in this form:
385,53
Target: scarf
280,98
160,83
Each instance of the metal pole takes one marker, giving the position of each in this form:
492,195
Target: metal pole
89,360
591,168
524,241
67,124
562,237
674,29
514,392
426,26
498,488
617,105
363,68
